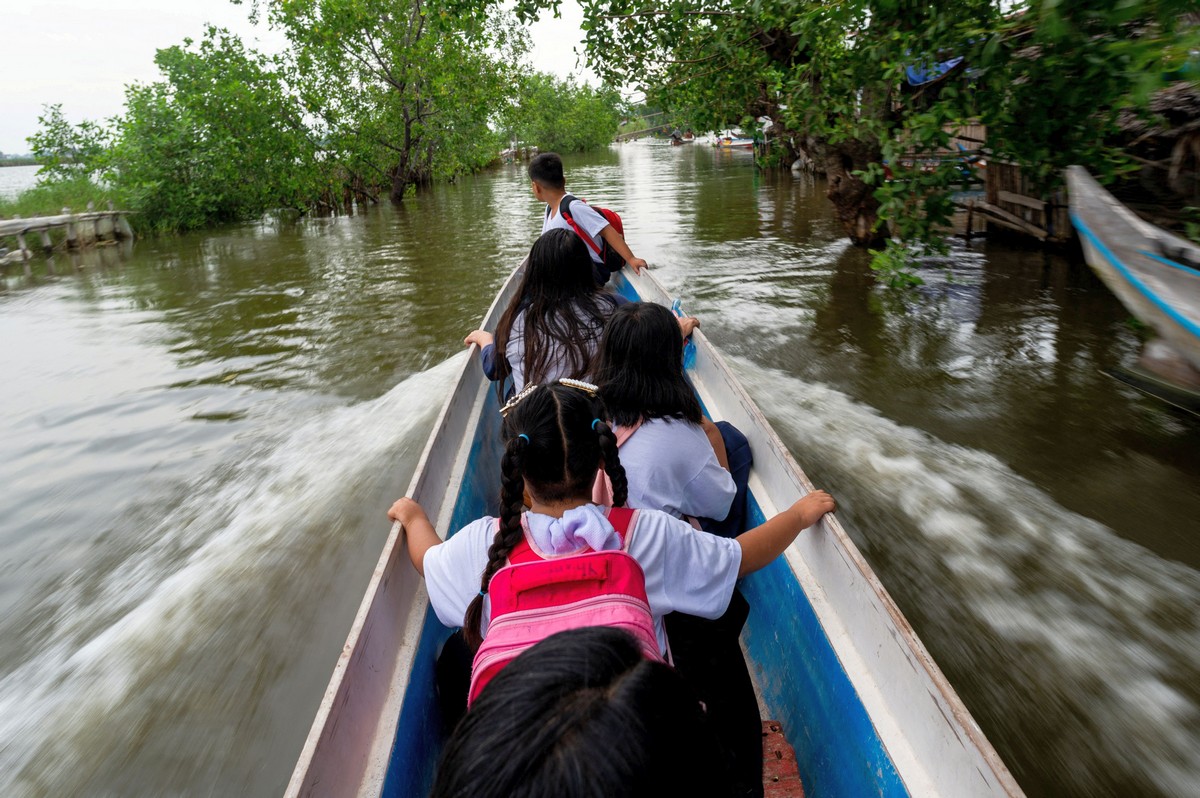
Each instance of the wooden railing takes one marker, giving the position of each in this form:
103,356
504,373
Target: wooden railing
82,229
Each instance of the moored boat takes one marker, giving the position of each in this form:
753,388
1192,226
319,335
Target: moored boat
859,698
1154,273
733,142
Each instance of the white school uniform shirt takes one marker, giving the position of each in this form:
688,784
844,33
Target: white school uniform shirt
670,466
686,570
588,219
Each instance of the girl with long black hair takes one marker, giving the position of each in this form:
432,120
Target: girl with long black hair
552,326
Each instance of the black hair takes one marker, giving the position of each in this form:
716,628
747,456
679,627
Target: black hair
546,169
564,311
584,714
553,442
639,367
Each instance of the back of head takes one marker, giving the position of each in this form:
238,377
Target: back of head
639,366
563,448
583,714
555,439
563,311
559,270
546,169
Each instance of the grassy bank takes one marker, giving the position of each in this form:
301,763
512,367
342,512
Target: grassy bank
50,200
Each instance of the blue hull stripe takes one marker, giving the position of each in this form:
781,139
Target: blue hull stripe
805,687
1169,262
1161,304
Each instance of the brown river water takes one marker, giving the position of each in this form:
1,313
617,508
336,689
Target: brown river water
202,434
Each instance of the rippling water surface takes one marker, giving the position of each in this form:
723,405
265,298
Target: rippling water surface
202,434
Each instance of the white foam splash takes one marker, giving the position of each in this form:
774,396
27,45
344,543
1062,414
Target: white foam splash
242,546
1084,644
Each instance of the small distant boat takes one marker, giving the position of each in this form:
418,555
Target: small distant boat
859,698
733,142
1155,274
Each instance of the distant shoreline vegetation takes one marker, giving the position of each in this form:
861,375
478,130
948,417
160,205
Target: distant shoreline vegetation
18,160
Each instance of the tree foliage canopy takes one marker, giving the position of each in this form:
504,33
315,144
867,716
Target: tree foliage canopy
371,98
1047,79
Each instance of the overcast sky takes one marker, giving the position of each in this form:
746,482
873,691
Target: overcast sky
82,53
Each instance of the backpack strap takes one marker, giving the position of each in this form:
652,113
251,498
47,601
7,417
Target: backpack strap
564,210
622,520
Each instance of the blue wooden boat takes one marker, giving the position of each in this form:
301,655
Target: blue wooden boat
859,698
1156,276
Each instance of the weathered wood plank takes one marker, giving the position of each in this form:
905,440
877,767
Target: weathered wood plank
1006,219
1020,199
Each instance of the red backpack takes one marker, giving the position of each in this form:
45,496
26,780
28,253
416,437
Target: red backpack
610,261
533,597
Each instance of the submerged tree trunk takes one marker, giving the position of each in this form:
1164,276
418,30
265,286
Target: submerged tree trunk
853,200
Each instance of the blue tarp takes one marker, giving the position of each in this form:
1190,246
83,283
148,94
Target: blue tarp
921,74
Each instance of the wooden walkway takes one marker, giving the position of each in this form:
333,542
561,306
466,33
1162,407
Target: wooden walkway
82,229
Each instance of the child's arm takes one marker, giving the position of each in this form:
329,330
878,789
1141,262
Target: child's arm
617,242
764,543
420,535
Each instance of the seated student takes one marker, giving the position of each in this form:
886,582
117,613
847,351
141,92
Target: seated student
550,186
583,713
552,326
555,444
677,461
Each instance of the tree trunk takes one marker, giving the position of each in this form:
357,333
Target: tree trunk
399,177
853,200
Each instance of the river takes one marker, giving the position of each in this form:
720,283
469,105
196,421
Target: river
202,435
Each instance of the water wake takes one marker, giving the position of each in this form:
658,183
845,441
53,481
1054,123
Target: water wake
181,643
1080,645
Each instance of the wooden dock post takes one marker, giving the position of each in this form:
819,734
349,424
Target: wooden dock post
72,234
47,245
93,228
24,248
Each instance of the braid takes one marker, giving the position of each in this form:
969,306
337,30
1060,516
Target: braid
612,464
512,503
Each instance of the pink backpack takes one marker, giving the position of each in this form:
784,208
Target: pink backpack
533,597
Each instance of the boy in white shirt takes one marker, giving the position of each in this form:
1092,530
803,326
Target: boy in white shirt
550,186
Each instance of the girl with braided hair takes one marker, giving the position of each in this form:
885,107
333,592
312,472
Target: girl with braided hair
556,442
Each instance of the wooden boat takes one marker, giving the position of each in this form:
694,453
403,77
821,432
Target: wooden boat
1154,273
858,696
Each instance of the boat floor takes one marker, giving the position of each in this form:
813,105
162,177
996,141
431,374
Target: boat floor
781,773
